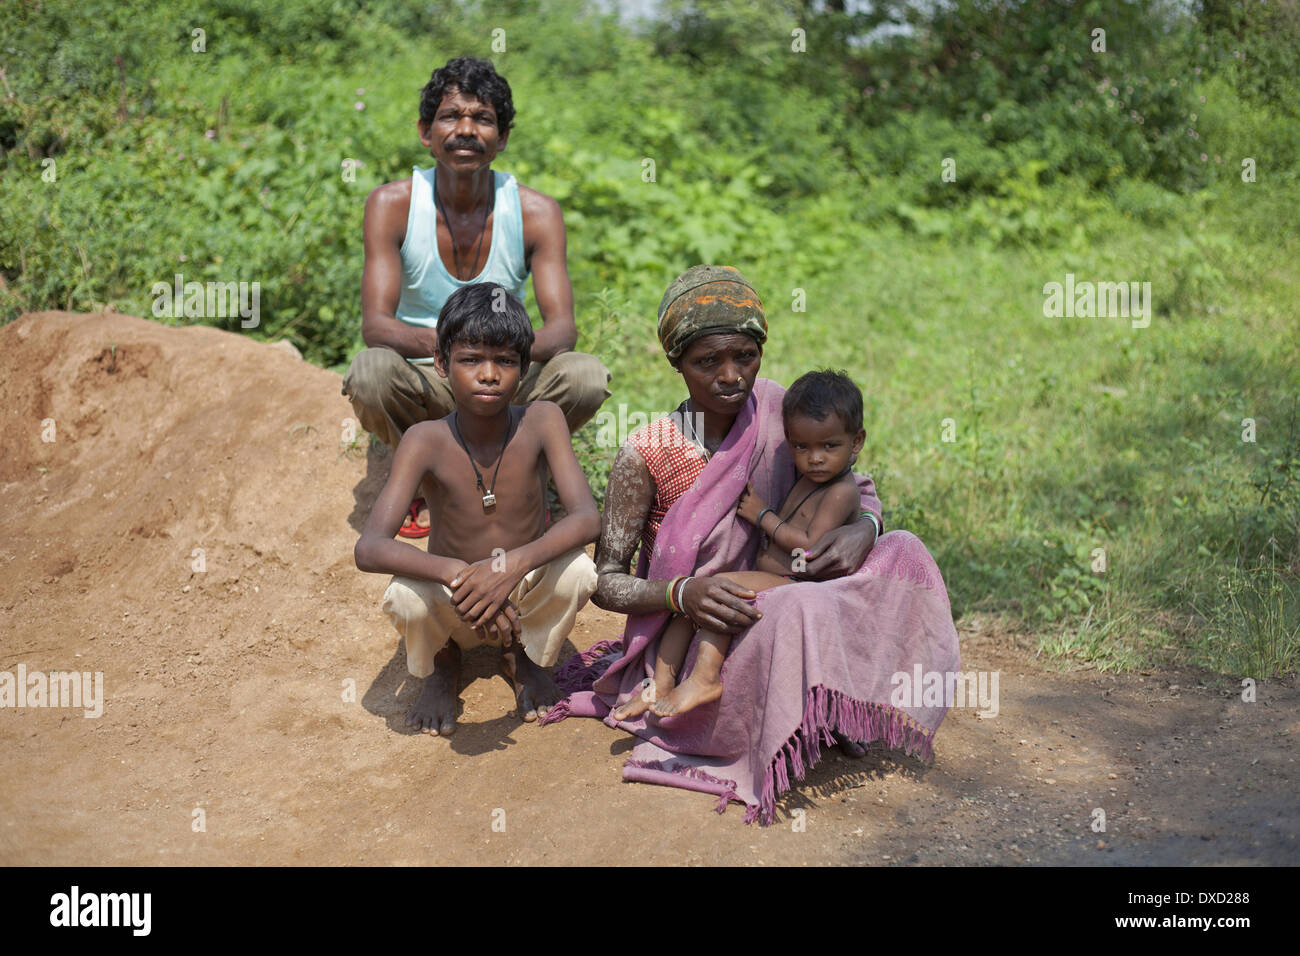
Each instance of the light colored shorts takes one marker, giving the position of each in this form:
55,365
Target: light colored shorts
548,599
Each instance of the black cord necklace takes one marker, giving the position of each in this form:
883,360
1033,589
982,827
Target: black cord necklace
820,487
455,249
489,499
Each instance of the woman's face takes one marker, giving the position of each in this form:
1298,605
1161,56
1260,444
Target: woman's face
720,370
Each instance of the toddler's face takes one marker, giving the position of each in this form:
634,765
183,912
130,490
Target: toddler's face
822,449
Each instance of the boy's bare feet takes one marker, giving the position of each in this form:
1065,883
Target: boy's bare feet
534,689
638,705
687,695
435,710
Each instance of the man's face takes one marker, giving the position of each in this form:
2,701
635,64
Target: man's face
483,378
463,135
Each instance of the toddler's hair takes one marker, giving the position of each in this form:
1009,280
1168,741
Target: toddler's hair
817,394
485,313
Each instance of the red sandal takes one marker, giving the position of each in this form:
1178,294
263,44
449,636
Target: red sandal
409,528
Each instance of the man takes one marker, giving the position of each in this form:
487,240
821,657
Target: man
459,223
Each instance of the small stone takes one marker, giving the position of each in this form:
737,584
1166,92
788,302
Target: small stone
1101,844
186,589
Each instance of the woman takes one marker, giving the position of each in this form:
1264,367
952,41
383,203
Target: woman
809,661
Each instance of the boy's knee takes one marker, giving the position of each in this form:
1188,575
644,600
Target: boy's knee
403,604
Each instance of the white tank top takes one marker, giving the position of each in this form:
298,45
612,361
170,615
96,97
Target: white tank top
426,283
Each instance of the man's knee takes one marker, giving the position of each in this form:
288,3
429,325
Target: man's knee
371,375
583,386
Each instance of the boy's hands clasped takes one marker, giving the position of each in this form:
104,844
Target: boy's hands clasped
481,596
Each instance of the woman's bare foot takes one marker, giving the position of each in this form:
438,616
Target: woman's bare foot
687,695
434,711
638,705
535,692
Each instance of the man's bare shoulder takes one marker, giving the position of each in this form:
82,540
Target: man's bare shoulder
539,206
391,201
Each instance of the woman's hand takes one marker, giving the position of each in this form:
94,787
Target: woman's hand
480,590
719,604
840,551
750,505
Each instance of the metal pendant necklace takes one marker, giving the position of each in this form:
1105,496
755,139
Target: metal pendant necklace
455,249
489,499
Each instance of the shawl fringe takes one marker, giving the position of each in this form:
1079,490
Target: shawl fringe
825,712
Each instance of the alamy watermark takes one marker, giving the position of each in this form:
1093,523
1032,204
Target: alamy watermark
55,689
947,689
612,430
208,300
1087,300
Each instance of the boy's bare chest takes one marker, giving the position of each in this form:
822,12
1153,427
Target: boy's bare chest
489,491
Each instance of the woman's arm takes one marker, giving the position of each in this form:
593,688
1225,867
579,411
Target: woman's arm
712,602
628,496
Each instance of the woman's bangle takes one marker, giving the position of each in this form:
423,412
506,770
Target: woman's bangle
681,591
758,522
864,513
668,595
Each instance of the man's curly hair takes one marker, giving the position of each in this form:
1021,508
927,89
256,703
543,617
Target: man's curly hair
473,77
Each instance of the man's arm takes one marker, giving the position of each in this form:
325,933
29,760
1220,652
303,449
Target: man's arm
384,230
545,247
376,551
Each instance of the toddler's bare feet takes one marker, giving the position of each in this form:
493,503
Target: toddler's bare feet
687,695
638,705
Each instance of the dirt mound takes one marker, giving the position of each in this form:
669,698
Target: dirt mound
178,511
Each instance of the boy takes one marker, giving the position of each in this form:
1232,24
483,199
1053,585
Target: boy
493,572
822,413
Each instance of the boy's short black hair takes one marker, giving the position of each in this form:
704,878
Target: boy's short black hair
473,77
817,394
485,313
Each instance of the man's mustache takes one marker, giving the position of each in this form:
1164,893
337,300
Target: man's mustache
465,144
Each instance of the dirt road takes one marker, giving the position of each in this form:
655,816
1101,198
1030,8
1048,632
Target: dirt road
253,709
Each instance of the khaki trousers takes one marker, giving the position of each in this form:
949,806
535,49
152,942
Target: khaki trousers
548,599
390,394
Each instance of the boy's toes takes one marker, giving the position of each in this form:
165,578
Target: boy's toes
527,709
446,728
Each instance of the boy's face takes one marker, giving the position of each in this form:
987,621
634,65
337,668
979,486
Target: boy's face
482,377
822,449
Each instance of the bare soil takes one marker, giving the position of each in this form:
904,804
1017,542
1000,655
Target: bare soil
227,688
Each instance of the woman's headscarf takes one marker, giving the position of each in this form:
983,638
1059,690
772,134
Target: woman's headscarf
705,300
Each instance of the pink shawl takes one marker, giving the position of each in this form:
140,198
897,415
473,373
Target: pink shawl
820,660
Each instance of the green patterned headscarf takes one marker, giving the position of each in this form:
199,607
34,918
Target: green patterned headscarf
705,300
